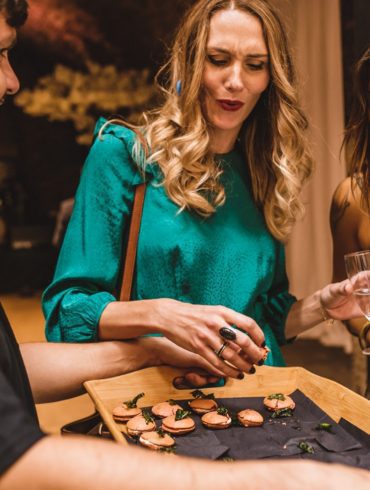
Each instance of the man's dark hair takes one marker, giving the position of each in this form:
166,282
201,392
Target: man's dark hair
14,11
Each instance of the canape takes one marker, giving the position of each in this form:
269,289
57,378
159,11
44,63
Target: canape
165,409
250,418
140,423
156,440
278,401
127,410
180,423
218,419
267,350
202,403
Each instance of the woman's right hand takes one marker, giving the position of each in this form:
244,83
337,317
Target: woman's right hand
196,329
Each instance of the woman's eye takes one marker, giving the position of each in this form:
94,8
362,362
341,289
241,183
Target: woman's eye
216,61
256,66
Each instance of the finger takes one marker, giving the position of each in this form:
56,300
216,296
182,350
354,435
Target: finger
235,347
240,362
335,295
347,288
246,348
242,354
204,367
218,364
199,380
243,322
331,292
210,344
230,355
249,350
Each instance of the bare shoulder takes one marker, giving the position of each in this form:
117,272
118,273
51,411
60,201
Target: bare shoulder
342,192
344,226
345,208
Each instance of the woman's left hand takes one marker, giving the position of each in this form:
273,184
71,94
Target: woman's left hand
339,301
168,353
199,371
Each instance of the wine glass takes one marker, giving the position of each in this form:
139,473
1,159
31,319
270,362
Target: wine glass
358,271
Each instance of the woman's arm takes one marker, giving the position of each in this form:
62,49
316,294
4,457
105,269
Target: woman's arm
192,327
87,276
335,300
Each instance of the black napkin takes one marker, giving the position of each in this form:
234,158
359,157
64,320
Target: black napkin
203,445
357,433
278,437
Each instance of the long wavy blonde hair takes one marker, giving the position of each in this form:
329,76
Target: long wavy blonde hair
272,136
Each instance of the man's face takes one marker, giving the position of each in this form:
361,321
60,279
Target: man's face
9,84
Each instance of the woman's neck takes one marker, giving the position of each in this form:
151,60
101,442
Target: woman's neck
222,141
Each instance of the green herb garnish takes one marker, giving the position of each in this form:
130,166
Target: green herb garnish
181,414
276,396
223,411
305,447
282,412
199,394
147,416
170,450
235,422
133,403
324,426
161,432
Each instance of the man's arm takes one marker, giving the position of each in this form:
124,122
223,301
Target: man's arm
57,371
74,462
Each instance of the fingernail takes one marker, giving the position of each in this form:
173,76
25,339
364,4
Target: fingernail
261,362
263,345
252,370
240,376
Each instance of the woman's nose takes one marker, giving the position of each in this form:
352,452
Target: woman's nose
234,80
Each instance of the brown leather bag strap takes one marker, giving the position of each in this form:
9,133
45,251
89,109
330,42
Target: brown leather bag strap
133,237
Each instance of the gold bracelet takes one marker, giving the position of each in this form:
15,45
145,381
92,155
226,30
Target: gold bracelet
325,317
362,339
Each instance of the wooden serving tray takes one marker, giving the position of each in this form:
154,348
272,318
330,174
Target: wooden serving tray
336,400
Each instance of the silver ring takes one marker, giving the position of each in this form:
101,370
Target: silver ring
221,349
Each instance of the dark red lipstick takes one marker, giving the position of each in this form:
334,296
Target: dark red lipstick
230,105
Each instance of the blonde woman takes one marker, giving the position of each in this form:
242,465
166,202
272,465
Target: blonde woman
224,159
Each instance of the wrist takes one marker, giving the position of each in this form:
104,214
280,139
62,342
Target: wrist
152,351
159,309
323,311
364,337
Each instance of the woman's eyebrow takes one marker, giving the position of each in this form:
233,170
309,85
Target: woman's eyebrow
225,51
258,55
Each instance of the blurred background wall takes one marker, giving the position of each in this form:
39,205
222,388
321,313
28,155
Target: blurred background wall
81,59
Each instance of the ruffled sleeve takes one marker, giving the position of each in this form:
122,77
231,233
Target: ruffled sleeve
279,301
88,271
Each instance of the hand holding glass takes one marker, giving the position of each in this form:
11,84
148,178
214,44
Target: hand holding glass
358,271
